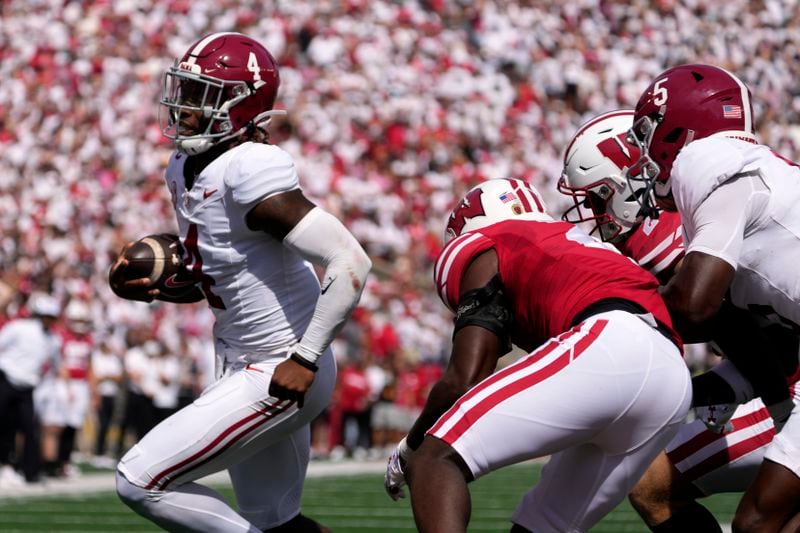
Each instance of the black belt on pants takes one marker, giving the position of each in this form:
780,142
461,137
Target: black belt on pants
620,304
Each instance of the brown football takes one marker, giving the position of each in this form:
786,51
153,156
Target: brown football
160,258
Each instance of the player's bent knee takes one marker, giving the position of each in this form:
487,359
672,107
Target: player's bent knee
642,497
647,497
433,454
131,495
649,501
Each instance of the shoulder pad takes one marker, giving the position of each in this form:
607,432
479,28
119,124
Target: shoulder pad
259,171
702,166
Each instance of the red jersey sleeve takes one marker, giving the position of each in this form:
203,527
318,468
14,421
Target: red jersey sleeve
657,245
453,261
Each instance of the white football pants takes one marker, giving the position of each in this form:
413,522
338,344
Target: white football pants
603,399
236,425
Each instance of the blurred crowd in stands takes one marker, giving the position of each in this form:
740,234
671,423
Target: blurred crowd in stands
395,108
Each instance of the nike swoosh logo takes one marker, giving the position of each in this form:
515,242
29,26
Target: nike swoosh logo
326,285
173,283
206,194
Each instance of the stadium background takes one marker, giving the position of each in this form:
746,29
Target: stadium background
395,109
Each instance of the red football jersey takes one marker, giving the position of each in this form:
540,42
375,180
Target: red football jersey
657,245
551,271
76,353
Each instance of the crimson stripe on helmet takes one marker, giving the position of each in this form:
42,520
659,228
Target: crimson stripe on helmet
591,123
523,197
534,195
746,106
203,43
527,196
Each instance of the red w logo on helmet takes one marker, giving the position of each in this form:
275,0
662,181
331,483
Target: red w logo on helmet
619,150
470,207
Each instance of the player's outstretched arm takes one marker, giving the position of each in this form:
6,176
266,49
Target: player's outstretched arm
320,238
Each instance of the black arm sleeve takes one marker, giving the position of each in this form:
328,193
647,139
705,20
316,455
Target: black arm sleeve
488,308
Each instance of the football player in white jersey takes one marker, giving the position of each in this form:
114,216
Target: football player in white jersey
699,461
250,238
737,200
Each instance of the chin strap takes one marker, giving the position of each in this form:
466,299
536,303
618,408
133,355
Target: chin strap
262,120
197,144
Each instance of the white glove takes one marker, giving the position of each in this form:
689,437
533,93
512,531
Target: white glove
395,479
717,417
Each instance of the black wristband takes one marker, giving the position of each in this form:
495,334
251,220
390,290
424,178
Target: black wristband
304,362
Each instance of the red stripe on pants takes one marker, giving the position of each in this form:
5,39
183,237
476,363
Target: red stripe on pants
729,454
474,414
706,437
269,412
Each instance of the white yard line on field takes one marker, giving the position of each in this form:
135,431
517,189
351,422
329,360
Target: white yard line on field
104,481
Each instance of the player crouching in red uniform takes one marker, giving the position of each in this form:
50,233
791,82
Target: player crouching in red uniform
602,390
699,461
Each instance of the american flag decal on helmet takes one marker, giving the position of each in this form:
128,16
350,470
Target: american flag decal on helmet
508,197
732,111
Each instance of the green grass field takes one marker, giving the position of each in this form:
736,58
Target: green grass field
345,503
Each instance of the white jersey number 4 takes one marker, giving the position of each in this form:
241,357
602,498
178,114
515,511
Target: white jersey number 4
253,66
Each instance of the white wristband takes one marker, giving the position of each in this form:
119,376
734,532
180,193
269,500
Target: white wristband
404,450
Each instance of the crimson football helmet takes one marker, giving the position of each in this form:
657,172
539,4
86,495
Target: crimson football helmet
683,104
494,201
594,176
225,83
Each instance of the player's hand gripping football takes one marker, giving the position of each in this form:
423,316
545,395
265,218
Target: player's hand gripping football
130,289
395,479
290,381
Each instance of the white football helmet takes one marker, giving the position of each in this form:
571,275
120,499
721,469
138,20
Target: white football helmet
595,163
494,201
78,316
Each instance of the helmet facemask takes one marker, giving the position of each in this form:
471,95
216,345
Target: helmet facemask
594,204
195,109
644,176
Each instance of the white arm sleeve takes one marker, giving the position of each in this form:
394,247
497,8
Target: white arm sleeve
322,239
719,223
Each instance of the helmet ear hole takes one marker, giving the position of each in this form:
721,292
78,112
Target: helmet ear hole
673,136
